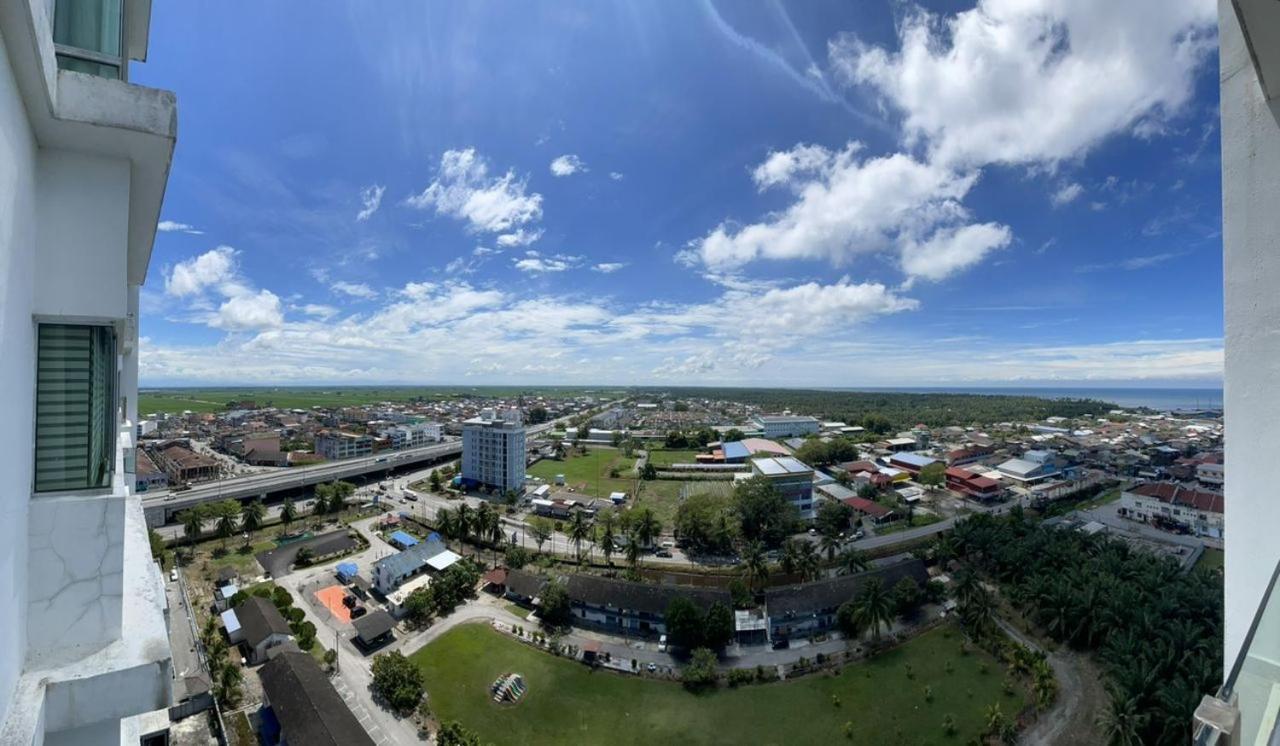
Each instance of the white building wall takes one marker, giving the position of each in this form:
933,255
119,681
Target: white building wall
17,373
1251,272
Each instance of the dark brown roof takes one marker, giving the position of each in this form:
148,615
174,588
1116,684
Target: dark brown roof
374,625
523,583
309,709
259,619
828,595
1182,496
646,597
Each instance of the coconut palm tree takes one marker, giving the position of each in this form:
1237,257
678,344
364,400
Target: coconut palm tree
634,548
853,561
579,531
808,563
1121,722
288,512
604,535
755,568
874,604
647,527
193,522
465,522
830,543
447,523
251,514
226,512
480,521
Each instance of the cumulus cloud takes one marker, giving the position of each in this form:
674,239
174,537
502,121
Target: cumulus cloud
951,250
567,165
616,175
518,237
1034,82
465,190
846,206
609,267
249,312
1066,194
173,226
193,276
319,310
354,289
371,199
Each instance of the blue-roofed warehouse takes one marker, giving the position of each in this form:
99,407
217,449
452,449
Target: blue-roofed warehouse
402,540
347,571
735,452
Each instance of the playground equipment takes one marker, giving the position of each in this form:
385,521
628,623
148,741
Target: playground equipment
508,688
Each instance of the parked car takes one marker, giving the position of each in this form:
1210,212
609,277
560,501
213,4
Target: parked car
662,644
358,612
349,601
662,553
781,643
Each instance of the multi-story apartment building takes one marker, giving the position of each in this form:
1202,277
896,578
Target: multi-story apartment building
413,436
785,426
84,161
493,451
792,478
336,445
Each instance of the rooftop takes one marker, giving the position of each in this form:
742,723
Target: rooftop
309,709
779,466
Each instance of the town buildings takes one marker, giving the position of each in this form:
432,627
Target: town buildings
972,484
306,707
493,451
785,426
792,479
1197,511
393,570
84,160
336,445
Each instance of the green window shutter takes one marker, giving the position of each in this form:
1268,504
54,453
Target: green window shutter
75,407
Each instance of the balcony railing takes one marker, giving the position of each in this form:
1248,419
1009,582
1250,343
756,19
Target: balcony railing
1246,710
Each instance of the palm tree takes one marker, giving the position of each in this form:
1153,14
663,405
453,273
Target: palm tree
465,520
251,514
288,512
853,561
647,527
808,563
226,512
633,550
755,568
830,544
481,520
446,523
944,551
791,556
1121,722
875,606
193,522
604,535
579,530
492,530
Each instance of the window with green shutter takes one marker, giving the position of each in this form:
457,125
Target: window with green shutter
75,407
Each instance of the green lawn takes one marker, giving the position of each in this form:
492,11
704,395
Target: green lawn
569,703
1211,561
661,458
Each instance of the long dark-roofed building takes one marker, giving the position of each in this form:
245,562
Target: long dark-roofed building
636,608
304,706
810,608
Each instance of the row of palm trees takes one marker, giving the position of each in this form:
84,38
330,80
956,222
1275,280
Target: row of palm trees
231,516
798,557
1156,630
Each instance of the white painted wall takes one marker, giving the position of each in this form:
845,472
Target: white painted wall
1251,259
83,249
17,273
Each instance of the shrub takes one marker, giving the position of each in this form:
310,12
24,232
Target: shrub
700,673
739,676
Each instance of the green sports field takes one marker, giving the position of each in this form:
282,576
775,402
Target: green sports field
570,703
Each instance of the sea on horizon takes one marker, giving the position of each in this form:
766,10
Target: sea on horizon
1160,399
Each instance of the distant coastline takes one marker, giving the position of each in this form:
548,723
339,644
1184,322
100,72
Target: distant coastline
1162,399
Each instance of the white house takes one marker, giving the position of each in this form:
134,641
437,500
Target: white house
261,627
84,161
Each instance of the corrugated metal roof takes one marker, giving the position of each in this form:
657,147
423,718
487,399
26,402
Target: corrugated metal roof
735,450
780,465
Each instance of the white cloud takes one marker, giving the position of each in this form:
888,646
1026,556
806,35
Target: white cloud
949,251
518,237
463,189
609,267
1066,194
1035,82
249,312
195,275
845,207
172,226
1132,263
616,175
355,289
567,165
536,263
371,199
319,310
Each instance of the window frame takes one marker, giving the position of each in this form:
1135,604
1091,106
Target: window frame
112,403
119,62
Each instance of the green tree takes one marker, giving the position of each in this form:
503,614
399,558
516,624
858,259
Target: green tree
193,522
706,522
288,512
733,435
754,567
832,518
870,609
397,681
933,475
554,608
434,482
907,598
605,535
765,515
684,623
453,734
719,626
701,671
814,452
251,515
852,561
540,529
420,605
579,531
157,543
648,472
226,512
646,526
515,557
633,550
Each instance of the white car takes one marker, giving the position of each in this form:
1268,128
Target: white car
662,644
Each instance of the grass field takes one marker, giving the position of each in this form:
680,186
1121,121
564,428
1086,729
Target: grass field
177,400
1211,561
569,703
662,458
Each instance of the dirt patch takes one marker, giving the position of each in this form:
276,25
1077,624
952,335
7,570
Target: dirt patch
1081,697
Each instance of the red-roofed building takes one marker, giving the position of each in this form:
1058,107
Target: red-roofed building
870,508
1167,504
968,455
972,485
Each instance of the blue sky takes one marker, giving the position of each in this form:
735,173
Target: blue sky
824,193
